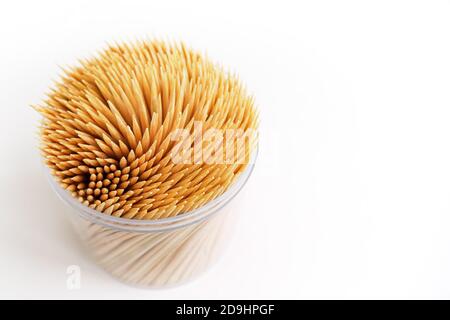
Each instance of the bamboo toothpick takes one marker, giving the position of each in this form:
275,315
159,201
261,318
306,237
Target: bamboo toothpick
106,133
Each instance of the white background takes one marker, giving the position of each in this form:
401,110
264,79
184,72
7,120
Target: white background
350,197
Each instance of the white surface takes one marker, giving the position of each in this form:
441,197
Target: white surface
351,194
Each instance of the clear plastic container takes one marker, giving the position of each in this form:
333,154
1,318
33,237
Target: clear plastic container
156,253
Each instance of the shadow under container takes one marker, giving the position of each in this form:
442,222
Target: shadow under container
156,253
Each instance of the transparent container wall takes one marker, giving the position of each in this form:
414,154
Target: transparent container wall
156,253
158,258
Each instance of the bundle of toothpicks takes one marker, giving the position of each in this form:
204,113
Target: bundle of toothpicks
148,131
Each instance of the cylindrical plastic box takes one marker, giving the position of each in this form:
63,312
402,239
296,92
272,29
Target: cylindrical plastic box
156,253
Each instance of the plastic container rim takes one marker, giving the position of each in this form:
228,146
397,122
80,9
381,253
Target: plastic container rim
157,225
